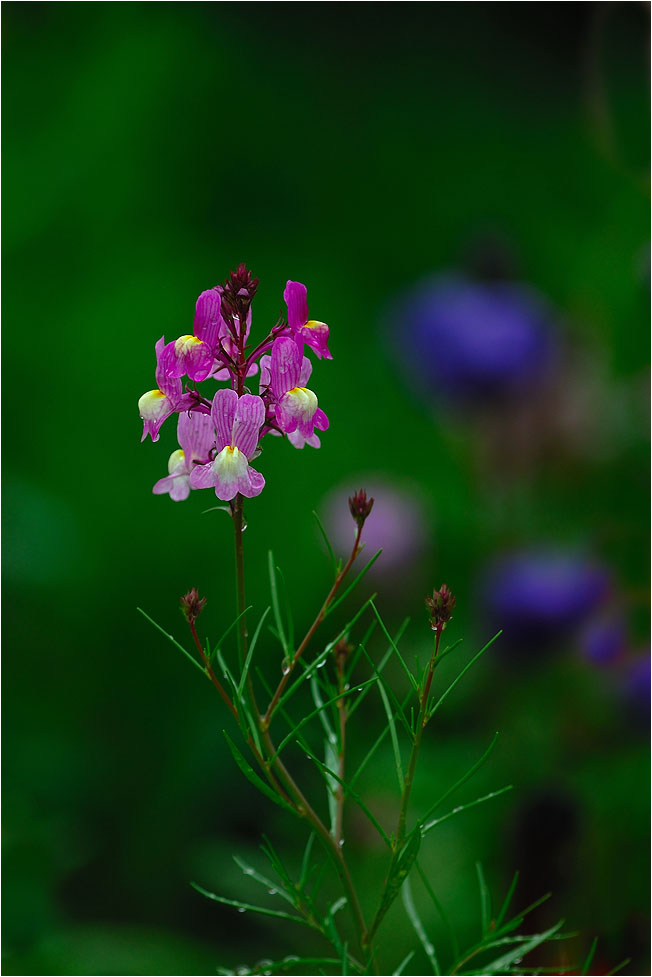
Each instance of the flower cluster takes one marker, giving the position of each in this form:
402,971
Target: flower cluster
220,434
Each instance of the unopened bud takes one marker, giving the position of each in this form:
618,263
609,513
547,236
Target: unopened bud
440,607
192,605
360,507
341,652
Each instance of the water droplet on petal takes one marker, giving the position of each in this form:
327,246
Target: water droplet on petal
241,909
321,663
341,842
272,892
285,667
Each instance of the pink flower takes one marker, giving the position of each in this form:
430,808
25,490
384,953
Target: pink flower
296,409
305,330
196,435
157,405
237,421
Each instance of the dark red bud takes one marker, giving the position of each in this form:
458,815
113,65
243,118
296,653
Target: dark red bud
440,607
360,507
192,605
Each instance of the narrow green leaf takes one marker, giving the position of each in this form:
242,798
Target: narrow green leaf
619,966
272,887
309,669
231,627
353,795
589,957
324,535
253,777
307,964
399,870
353,660
418,928
403,964
252,645
502,964
288,609
469,773
362,648
275,604
317,711
508,898
485,900
174,641
462,674
464,807
395,649
354,583
392,730
305,864
376,745
440,909
398,709
244,906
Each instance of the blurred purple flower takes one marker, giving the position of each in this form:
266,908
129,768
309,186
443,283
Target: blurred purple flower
538,596
397,523
471,340
636,687
604,639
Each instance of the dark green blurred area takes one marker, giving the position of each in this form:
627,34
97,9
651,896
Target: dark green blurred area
149,148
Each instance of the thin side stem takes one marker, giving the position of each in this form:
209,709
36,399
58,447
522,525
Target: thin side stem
416,745
211,674
422,722
267,718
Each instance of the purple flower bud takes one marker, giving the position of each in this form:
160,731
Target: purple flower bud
192,605
474,341
360,507
538,596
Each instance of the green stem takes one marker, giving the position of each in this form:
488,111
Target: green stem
422,722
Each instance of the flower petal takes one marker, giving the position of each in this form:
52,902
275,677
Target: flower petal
177,485
223,414
256,483
285,367
209,324
196,435
315,335
296,299
249,418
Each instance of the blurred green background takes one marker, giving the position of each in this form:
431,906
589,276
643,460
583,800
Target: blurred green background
149,148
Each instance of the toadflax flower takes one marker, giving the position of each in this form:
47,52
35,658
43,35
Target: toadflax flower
157,405
237,421
219,432
305,330
196,435
295,406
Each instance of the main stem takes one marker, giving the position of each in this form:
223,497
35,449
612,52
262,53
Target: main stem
300,802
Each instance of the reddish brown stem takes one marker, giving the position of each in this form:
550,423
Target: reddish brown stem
211,674
315,624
